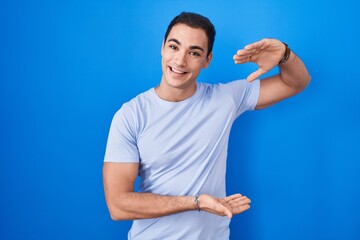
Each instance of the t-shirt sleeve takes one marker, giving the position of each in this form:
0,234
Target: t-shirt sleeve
121,144
245,94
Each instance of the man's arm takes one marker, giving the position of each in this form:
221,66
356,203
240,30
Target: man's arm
125,204
292,78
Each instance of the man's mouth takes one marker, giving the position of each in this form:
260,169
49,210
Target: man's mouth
177,71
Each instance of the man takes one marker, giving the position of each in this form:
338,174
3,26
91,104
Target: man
175,136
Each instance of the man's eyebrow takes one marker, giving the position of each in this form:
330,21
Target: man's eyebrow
174,40
191,47
197,47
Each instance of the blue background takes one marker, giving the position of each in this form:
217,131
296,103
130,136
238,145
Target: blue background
67,66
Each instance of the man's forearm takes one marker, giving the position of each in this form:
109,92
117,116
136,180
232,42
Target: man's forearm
133,205
294,73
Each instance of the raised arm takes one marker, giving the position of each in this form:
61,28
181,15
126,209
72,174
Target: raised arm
125,204
293,76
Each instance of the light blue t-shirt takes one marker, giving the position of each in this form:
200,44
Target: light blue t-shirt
182,149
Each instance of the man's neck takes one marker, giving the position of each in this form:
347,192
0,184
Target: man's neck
173,94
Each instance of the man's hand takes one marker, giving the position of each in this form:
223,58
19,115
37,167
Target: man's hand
228,206
265,53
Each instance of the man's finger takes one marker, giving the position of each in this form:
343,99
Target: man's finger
255,75
237,57
232,197
240,209
258,45
227,212
239,201
224,209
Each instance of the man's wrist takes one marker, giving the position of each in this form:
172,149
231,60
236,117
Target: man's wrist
196,201
286,54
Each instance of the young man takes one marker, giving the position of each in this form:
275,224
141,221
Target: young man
175,136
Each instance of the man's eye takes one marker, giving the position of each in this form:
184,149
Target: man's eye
173,47
195,53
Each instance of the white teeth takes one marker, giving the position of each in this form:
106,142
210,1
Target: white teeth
177,71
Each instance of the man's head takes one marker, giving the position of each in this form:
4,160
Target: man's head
194,20
186,50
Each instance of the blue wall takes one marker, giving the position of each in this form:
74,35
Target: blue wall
67,66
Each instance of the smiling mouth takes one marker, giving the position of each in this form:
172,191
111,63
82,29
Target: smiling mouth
176,71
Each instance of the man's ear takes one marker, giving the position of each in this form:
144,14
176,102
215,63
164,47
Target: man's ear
208,60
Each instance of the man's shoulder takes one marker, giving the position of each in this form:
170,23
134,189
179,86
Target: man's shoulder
133,110
224,87
140,99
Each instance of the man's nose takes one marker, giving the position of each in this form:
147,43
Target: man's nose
180,59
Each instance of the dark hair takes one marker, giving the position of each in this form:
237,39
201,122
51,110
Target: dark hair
195,20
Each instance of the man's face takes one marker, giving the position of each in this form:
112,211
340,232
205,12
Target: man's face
184,54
